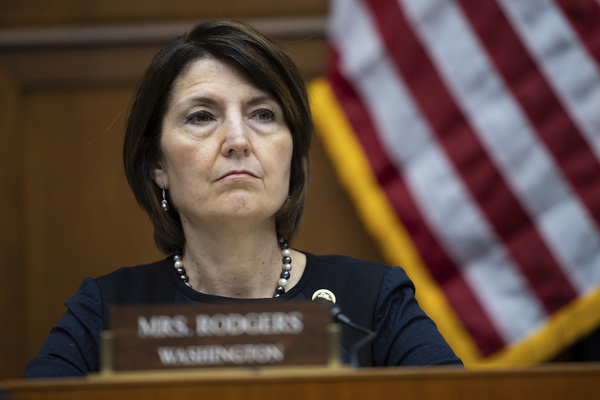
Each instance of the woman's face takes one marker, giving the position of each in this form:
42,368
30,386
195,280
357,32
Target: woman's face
226,148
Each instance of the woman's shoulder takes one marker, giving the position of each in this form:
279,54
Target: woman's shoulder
137,272
345,275
352,269
133,285
349,263
356,280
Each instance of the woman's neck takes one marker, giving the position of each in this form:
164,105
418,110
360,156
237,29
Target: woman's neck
233,262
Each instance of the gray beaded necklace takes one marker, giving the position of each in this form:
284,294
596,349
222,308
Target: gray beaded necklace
283,277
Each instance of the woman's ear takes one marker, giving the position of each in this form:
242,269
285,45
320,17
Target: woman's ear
159,174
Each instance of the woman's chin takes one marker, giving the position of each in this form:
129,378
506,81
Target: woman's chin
235,214
248,203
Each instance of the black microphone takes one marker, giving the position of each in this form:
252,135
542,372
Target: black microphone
335,311
336,314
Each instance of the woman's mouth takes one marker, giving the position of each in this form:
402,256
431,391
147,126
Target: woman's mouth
236,174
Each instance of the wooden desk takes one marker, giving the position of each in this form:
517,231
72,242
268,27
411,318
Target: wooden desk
570,382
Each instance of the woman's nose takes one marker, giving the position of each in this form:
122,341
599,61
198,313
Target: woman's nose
236,138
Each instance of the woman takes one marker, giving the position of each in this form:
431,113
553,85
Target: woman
216,152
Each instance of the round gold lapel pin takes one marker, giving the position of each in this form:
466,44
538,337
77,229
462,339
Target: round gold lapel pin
324,294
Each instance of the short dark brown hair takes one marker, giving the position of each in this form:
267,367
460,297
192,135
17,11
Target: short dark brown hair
265,65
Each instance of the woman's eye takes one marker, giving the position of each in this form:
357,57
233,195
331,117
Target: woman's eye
199,117
264,114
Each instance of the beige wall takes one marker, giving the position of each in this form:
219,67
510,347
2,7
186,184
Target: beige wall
67,210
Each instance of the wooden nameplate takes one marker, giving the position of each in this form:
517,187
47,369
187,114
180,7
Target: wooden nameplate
214,336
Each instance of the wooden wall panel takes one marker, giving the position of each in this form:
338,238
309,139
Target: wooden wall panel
82,219
330,224
68,12
13,273
69,211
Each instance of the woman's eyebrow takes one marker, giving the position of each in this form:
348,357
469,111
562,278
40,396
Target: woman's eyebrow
260,99
209,101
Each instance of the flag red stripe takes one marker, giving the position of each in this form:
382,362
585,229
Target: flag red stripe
584,16
442,268
463,148
552,123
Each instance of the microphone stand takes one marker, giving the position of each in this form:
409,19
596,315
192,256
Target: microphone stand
339,317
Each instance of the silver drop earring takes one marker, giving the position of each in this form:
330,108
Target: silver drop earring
164,205
288,199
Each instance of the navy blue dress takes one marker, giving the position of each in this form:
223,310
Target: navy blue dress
375,296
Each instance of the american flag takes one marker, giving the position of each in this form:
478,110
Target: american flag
467,134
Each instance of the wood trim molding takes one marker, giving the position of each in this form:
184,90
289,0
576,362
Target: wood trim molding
285,28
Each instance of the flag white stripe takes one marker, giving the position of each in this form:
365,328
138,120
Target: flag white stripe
509,138
445,203
571,71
